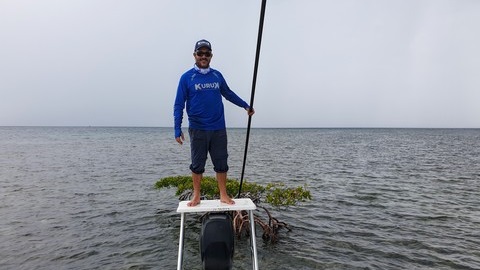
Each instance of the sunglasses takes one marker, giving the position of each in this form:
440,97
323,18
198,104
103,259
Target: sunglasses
207,54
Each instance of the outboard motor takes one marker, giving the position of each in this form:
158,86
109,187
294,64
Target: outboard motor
217,242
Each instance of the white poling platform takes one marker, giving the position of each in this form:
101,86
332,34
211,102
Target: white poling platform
217,206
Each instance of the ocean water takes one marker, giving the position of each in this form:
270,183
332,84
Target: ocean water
83,198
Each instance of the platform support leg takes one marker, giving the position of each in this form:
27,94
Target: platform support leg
253,241
180,242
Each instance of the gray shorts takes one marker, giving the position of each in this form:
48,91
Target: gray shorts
213,142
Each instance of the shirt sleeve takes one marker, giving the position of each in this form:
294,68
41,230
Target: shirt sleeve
229,95
179,106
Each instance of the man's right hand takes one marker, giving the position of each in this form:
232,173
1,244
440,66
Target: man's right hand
180,139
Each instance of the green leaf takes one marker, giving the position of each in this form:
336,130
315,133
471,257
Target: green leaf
276,194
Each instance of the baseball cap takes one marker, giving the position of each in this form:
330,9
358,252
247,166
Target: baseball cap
203,43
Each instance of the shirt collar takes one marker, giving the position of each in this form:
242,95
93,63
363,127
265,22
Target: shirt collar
201,70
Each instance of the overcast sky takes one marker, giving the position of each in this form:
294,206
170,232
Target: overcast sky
323,63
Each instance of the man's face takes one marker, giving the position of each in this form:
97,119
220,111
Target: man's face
203,57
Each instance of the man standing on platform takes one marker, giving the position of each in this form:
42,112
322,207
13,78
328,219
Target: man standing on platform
201,88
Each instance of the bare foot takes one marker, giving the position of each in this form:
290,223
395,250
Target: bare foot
227,200
194,202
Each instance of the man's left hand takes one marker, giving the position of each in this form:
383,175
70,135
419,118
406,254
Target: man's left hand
250,111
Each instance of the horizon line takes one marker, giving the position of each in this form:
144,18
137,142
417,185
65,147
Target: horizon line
299,127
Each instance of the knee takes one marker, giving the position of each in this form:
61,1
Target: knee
197,169
221,168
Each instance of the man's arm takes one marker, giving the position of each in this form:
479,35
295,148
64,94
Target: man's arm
229,95
178,107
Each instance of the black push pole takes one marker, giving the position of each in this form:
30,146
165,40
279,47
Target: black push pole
252,97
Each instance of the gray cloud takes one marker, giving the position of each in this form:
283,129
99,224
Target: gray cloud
341,63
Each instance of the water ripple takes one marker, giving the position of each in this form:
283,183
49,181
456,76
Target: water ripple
82,198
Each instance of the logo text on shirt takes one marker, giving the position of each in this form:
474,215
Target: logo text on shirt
203,86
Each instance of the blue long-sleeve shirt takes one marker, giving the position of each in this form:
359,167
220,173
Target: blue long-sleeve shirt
202,94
